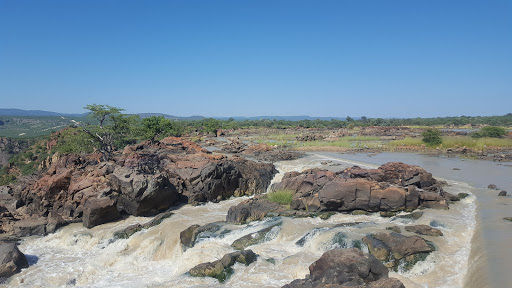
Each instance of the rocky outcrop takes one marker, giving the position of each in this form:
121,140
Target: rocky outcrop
396,250
142,180
346,268
424,230
11,260
392,187
221,269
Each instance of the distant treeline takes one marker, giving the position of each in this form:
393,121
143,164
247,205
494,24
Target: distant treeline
505,120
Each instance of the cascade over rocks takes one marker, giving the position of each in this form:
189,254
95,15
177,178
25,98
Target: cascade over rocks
391,188
346,268
144,179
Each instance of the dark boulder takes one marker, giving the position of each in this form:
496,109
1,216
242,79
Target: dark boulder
502,193
346,268
98,211
11,260
221,269
143,195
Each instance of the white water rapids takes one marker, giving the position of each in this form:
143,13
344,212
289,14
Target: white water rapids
78,257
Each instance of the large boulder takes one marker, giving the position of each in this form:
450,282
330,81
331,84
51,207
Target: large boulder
11,260
346,268
143,194
396,250
100,211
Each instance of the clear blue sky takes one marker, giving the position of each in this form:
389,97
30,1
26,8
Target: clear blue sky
245,58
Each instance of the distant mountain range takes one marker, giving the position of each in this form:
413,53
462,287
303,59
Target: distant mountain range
41,113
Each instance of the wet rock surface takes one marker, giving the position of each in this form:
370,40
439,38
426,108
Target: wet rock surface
346,268
132,229
258,237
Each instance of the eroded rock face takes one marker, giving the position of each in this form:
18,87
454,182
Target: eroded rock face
11,260
395,249
346,268
144,180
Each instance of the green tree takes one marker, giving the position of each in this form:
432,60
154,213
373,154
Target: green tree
158,126
490,131
432,136
106,136
102,112
211,125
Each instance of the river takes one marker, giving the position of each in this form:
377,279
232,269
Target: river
78,257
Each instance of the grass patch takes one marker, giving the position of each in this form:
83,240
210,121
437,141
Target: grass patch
283,197
456,142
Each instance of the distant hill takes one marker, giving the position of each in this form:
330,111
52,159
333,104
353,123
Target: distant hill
35,113
40,113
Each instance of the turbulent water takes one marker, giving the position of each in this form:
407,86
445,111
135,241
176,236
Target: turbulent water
80,257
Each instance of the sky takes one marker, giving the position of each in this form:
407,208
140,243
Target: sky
421,58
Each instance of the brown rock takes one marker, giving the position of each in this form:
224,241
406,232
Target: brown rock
100,211
346,268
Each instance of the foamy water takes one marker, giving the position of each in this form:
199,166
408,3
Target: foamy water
76,256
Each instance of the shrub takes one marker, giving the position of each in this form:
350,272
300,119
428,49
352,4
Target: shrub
490,131
432,136
283,197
